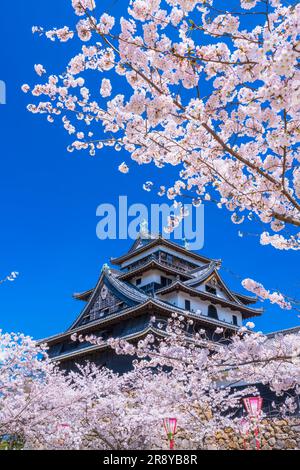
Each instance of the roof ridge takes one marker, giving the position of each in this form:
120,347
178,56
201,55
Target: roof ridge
125,286
160,239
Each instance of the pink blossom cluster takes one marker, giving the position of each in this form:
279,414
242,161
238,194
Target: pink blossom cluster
80,6
62,34
39,69
42,407
281,243
106,88
208,92
262,293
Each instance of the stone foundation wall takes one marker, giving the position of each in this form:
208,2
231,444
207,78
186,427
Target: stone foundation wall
274,434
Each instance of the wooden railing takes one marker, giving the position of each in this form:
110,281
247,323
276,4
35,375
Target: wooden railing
176,263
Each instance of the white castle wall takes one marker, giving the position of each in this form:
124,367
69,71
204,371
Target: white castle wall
219,293
224,314
152,275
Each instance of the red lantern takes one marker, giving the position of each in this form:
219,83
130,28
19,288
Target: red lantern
170,425
253,407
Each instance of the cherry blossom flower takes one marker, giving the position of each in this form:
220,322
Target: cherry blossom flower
81,5
106,23
123,168
39,69
205,91
106,88
84,30
258,289
25,88
62,34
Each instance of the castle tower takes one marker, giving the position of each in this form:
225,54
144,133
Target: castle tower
155,278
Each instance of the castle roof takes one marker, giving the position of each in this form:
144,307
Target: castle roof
286,331
154,263
146,244
126,301
234,305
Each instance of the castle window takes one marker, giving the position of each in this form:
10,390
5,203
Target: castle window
234,320
212,312
163,281
169,258
104,334
187,305
92,316
211,289
138,281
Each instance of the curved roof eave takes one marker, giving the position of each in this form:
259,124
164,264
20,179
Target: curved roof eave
92,348
157,241
212,271
178,284
136,308
128,291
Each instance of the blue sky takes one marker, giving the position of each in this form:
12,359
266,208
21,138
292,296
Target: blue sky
49,198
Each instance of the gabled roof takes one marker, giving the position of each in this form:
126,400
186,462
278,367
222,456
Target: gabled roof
247,312
159,240
193,277
140,241
136,302
207,275
246,299
83,295
125,290
150,328
86,295
202,274
133,296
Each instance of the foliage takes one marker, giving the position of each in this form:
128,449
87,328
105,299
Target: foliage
182,375
214,92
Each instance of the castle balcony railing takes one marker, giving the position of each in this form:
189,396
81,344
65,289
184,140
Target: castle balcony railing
151,287
175,263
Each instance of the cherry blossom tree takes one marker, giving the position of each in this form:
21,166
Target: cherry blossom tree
90,408
93,408
274,361
215,92
34,396
183,374
212,377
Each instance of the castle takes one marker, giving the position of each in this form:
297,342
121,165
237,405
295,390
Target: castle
155,278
